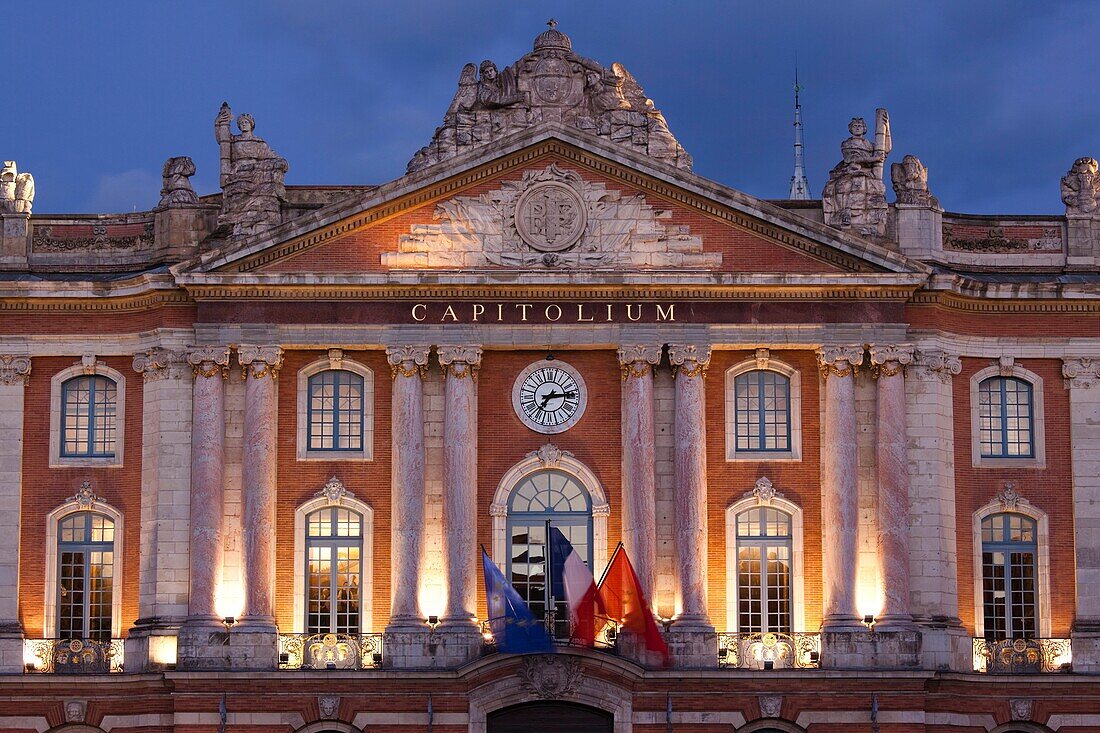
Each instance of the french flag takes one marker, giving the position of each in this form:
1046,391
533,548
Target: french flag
571,579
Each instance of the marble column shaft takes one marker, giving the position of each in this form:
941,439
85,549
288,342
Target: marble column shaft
690,471
460,365
892,464
407,364
210,366
259,475
639,515
839,489
14,373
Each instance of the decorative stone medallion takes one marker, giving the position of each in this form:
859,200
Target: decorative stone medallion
550,216
550,677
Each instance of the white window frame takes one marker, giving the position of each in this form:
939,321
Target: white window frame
1042,545
366,557
798,600
98,368
769,364
601,510
335,361
1038,432
53,520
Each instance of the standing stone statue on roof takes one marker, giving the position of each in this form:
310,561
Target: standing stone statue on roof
855,194
910,179
550,84
16,190
251,176
1081,187
177,190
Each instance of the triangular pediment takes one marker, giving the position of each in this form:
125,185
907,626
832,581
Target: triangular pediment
557,205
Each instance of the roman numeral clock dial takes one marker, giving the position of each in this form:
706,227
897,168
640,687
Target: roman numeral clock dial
549,396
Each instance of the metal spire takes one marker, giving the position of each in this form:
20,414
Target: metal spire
800,187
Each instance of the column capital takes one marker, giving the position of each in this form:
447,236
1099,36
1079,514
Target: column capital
159,363
14,369
691,360
209,361
890,360
408,360
1080,373
936,364
460,361
260,361
839,361
636,360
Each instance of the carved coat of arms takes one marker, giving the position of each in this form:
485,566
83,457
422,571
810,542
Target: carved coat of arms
550,677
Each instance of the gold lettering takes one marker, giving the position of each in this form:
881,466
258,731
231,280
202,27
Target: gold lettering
478,310
523,307
580,314
630,314
422,308
500,312
556,307
663,315
609,312
449,312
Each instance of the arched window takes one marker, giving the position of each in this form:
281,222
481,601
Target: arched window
1005,418
543,499
764,570
1010,582
89,406
336,413
334,549
85,576
763,412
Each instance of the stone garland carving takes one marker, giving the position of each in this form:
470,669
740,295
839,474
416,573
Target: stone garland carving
251,176
552,83
1081,373
177,190
690,360
839,361
937,365
16,190
85,497
14,369
770,705
260,361
996,241
460,361
208,361
407,360
550,677
1081,188
854,197
910,181
159,363
637,360
104,238
333,491
889,361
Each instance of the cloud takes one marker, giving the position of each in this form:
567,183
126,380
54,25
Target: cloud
132,190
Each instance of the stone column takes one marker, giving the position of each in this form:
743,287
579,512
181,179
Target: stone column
407,365
165,488
639,515
888,368
839,492
14,373
460,366
1082,379
256,630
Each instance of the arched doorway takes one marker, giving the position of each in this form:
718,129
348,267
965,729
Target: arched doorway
550,717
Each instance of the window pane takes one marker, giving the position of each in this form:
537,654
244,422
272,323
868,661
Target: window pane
85,577
1005,417
88,410
335,411
762,411
1009,581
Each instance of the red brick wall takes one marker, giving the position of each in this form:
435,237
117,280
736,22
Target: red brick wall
90,321
45,488
1007,323
1049,489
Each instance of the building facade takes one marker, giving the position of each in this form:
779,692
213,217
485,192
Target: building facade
254,440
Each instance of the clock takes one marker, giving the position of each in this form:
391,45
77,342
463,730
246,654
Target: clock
549,396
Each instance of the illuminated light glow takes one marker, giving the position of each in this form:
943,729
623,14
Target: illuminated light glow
869,594
30,658
229,600
162,649
433,593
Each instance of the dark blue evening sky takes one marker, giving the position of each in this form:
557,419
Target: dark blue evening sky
997,98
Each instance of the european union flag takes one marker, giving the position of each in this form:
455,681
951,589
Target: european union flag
515,629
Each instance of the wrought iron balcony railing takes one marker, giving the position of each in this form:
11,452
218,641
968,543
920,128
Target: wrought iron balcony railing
769,650
1022,656
73,656
330,651
561,633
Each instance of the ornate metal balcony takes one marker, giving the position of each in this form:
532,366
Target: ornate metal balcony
769,650
330,651
73,656
607,634
1022,656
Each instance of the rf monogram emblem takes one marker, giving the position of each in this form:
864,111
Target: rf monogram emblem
550,217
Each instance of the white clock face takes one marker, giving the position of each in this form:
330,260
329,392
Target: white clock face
549,396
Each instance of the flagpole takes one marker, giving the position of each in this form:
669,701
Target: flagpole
609,563
548,563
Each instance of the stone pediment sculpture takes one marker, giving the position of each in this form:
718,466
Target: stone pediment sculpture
910,180
16,190
177,190
251,176
855,194
550,218
1081,187
550,84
